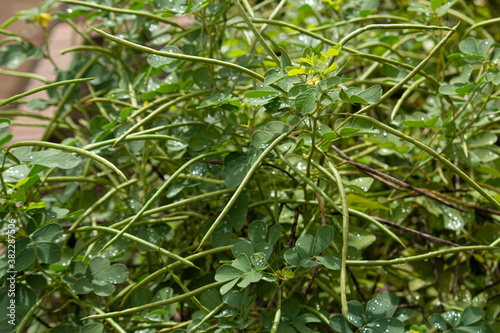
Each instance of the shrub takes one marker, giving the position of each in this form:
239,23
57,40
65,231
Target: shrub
270,166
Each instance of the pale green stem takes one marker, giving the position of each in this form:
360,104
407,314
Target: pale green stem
208,317
405,95
310,183
171,300
165,185
345,238
156,112
243,184
130,138
25,75
172,266
420,257
184,57
123,11
257,33
48,86
96,204
482,24
70,149
391,27
141,241
432,152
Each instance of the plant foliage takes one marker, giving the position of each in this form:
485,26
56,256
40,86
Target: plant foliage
267,166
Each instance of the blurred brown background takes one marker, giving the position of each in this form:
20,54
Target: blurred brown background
61,37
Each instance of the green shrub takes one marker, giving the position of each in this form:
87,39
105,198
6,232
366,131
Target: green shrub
272,166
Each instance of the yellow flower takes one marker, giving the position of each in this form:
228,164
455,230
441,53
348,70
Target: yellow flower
43,19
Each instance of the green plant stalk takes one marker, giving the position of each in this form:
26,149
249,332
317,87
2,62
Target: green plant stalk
432,152
172,266
377,223
208,317
410,75
405,95
482,24
171,300
165,185
186,290
141,241
175,205
257,33
345,238
156,113
244,183
63,101
25,75
310,183
29,314
123,11
317,313
48,86
277,316
130,138
420,257
70,149
67,179
390,27
96,204
184,57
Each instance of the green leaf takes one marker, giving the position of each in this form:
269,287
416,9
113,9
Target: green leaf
271,131
388,325
292,256
308,263
393,302
227,272
257,232
471,315
437,321
371,95
117,273
368,7
375,309
265,248
222,234
235,169
258,260
243,246
102,288
242,263
290,308
306,102
201,76
234,299
285,59
305,245
53,159
228,286
210,299
274,234
82,286
93,328
48,233
404,314
360,238
332,263
96,265
37,282
435,4
47,252
340,324
238,213
323,239
452,317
